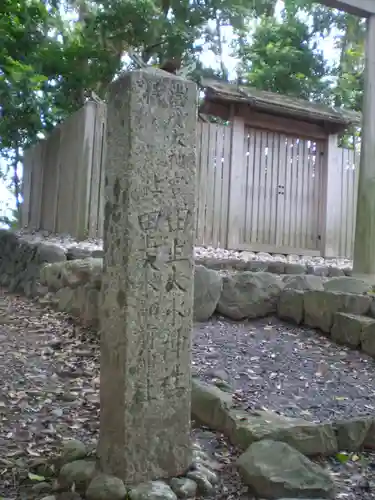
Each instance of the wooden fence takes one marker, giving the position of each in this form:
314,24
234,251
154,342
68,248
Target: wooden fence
256,189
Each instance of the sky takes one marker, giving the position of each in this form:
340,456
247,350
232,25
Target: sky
208,58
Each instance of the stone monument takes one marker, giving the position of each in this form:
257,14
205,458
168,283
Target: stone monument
147,289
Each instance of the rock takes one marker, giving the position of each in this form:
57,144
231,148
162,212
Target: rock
68,495
290,306
320,307
351,434
49,497
203,483
249,295
209,405
72,450
106,487
77,252
273,470
368,338
41,487
80,473
208,285
347,328
209,474
48,252
183,487
303,282
65,298
317,270
257,266
346,284
293,268
154,490
369,442
276,267
334,272
245,428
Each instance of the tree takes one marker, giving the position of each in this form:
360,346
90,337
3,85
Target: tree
282,57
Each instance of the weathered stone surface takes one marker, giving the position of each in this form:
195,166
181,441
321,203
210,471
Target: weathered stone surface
273,470
72,273
347,328
65,298
183,487
80,473
147,283
276,267
290,306
78,252
294,268
368,338
303,282
155,490
249,295
48,252
208,285
205,487
351,434
72,450
346,284
320,307
209,405
105,487
334,272
369,442
317,270
245,428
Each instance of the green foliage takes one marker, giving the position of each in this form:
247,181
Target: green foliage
281,57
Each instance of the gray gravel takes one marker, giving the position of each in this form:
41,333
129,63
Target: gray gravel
295,371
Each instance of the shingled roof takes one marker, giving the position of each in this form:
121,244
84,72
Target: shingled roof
278,104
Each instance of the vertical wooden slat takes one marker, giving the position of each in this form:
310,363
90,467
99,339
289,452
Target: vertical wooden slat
226,185
262,193
274,151
236,196
299,173
256,184
281,188
210,185
218,184
249,178
198,180
268,187
203,187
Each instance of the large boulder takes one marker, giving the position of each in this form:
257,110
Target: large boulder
72,273
320,307
208,285
349,329
249,295
245,428
346,284
290,306
274,470
303,282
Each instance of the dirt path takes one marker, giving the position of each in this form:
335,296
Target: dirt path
49,389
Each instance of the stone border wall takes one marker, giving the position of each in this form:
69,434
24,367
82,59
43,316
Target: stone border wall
342,307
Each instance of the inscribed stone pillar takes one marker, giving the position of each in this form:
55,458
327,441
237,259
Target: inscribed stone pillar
147,289
364,245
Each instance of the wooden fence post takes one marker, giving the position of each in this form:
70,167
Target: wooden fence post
237,185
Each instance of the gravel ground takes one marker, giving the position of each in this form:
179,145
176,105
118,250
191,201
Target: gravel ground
49,390
66,241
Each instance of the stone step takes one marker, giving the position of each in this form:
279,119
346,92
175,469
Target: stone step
354,330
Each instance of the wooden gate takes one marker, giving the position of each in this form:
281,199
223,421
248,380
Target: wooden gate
283,187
